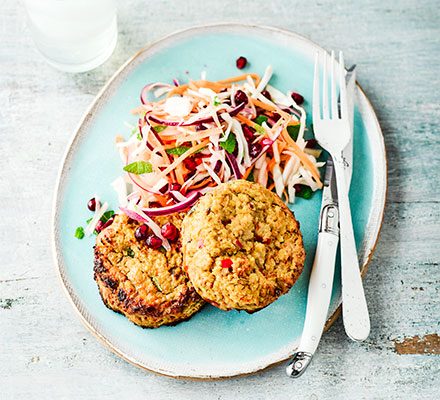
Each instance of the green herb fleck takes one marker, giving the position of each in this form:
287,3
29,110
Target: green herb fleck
139,167
260,119
293,131
260,129
107,215
250,177
88,221
79,233
159,128
129,252
156,283
216,101
229,144
305,192
134,131
138,136
178,151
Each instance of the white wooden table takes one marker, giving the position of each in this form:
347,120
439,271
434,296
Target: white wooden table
45,351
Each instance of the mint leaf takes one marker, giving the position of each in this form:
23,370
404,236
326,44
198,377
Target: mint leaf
159,128
107,215
178,151
139,167
79,233
250,177
260,119
293,131
229,144
259,129
305,192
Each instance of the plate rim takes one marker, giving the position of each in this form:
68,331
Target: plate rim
94,105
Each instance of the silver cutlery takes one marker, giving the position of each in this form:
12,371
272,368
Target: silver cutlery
321,277
333,133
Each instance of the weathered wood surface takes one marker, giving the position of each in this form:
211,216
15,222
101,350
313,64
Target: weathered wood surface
45,352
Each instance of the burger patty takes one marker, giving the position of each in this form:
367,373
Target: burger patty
148,286
242,246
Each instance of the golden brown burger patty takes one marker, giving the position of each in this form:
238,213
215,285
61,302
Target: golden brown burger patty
146,285
242,246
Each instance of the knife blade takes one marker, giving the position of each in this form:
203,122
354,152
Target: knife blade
321,277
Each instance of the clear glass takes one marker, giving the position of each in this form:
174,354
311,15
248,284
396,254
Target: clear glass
73,35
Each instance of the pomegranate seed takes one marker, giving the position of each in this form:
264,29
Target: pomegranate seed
189,164
200,127
153,242
248,132
311,144
99,226
241,62
266,94
226,263
169,231
141,232
240,97
297,187
297,98
91,205
164,189
255,149
175,187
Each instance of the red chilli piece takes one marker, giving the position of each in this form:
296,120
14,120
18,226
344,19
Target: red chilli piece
241,62
238,244
169,231
226,263
297,98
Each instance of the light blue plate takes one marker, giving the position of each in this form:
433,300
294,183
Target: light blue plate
213,343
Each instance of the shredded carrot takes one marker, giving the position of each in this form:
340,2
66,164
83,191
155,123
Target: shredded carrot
239,78
271,186
303,158
247,172
247,121
187,153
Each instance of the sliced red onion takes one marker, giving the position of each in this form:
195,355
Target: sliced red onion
148,88
132,214
217,166
154,212
233,163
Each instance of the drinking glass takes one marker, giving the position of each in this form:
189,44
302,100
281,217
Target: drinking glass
73,35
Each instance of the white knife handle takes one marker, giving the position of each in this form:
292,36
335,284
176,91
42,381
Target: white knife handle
318,300
354,305
320,291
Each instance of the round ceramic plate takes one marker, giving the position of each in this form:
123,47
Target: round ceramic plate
213,343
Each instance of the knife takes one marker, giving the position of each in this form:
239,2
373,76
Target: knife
321,278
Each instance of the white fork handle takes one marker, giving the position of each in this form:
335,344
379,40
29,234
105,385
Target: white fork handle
354,305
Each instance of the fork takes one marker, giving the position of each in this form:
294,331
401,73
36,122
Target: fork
332,132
